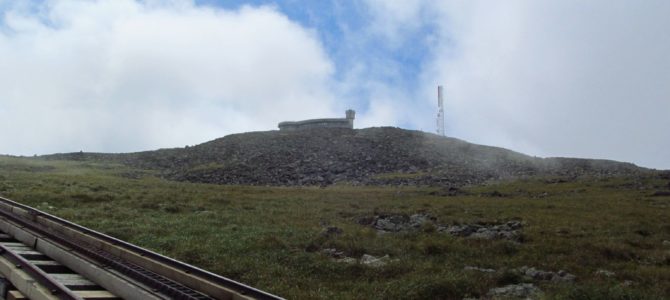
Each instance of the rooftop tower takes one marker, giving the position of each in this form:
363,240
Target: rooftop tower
440,111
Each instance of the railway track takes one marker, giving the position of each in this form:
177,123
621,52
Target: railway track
45,257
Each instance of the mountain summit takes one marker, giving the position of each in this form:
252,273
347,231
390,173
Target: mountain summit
324,156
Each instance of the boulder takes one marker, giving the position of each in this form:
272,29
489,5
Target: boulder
508,231
331,231
605,273
372,261
541,275
395,223
463,230
483,270
484,234
515,291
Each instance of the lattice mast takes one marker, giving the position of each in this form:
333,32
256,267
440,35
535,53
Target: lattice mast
440,111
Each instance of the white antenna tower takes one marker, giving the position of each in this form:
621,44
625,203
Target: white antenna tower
440,112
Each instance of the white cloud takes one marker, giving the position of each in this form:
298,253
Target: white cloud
571,78
396,19
120,75
566,78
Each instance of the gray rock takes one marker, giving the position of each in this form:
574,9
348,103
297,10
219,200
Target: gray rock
508,231
514,225
541,275
347,260
372,261
417,220
512,235
537,274
325,156
605,273
395,223
332,252
331,231
484,270
386,225
666,243
501,228
484,234
515,291
563,276
463,231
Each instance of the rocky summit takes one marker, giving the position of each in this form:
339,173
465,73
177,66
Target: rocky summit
371,156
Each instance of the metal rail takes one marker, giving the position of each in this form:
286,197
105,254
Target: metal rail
55,288
154,280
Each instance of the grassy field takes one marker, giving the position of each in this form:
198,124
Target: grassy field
266,236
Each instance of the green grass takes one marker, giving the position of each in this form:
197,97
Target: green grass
261,235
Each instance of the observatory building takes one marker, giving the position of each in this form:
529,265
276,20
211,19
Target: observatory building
347,122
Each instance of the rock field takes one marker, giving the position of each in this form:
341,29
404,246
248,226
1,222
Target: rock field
371,156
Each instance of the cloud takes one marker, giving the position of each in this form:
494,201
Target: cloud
550,78
121,75
546,78
395,20
378,56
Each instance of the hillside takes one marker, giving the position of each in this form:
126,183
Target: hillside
582,233
608,236
364,156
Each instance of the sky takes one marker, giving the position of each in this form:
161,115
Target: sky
566,78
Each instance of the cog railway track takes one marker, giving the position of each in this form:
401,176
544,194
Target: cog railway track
45,257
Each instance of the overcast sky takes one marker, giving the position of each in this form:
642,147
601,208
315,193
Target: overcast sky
547,78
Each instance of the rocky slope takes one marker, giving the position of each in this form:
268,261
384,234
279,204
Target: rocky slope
363,156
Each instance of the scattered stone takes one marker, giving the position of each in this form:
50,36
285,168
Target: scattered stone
328,156
535,274
347,260
627,283
605,273
484,270
666,243
372,261
366,259
485,234
508,231
331,231
462,231
564,276
396,223
332,252
515,291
